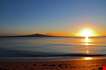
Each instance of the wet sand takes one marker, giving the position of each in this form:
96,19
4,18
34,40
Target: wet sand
83,63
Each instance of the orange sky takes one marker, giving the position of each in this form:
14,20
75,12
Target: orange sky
97,29
53,17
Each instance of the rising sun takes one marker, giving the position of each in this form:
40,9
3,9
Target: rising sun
87,32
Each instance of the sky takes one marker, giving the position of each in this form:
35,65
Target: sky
54,17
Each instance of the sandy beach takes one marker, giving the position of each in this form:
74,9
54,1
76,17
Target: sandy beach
83,63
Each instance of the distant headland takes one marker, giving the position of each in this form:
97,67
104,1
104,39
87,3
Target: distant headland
45,35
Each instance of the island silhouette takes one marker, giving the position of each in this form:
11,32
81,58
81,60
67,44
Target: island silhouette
46,35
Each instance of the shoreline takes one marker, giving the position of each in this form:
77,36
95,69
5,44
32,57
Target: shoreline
62,63
62,58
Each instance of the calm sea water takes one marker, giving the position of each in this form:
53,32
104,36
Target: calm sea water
50,46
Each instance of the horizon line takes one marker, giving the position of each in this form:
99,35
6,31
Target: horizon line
47,35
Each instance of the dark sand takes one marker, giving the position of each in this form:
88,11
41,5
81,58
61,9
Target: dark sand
83,63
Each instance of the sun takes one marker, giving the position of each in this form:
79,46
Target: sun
87,32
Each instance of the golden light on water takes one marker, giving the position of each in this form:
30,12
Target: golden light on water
87,40
87,58
87,33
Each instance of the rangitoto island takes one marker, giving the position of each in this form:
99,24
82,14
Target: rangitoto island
46,35
30,35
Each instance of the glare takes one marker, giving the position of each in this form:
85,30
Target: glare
87,32
87,40
87,51
87,58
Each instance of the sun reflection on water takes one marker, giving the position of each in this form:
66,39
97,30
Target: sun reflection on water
87,42
87,58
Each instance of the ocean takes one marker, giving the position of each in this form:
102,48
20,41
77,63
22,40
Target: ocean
51,46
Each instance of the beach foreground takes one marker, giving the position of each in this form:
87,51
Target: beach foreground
83,63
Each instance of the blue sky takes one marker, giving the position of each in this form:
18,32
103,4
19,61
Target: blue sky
47,16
